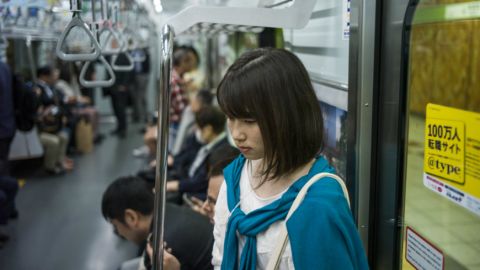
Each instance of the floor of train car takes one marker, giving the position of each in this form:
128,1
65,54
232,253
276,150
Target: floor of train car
60,224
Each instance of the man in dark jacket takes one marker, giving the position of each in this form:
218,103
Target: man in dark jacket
7,116
8,185
119,93
210,123
128,205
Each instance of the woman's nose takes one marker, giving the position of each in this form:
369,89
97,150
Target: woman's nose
237,134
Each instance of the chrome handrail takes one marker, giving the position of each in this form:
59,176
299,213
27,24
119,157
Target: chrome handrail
162,143
92,84
75,7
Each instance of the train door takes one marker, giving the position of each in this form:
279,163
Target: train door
441,201
427,153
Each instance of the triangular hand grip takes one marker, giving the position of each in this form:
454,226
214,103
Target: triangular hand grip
77,22
110,35
91,84
127,67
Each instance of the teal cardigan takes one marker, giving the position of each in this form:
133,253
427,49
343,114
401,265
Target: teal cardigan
322,232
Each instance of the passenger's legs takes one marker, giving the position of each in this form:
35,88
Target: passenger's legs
51,144
3,208
62,146
4,151
140,100
119,103
9,186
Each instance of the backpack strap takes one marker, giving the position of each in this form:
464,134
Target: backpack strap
274,262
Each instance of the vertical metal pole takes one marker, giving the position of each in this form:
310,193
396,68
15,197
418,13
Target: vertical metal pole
31,59
162,144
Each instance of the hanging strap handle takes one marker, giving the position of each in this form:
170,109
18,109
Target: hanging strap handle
76,21
92,84
274,262
127,67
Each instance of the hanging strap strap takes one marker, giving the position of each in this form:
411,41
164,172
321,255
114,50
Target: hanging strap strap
274,262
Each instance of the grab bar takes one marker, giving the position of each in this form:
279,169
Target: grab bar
161,155
128,67
75,7
92,84
31,59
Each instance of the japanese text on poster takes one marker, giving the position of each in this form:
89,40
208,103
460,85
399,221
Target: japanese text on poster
452,155
421,254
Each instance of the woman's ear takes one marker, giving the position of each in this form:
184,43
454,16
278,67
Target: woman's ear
131,218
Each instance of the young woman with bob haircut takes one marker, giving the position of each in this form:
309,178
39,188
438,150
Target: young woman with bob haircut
276,122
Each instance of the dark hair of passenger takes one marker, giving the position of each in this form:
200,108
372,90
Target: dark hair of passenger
179,52
272,87
211,115
221,159
205,97
44,71
128,192
65,73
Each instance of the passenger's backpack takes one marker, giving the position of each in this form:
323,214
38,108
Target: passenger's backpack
25,102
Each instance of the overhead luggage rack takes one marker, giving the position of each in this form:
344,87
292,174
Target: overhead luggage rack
201,19
207,20
215,28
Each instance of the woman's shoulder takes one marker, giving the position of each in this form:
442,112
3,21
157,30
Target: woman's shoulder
326,196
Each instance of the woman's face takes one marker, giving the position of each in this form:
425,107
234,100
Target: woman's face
247,137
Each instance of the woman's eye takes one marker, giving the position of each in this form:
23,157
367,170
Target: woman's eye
249,121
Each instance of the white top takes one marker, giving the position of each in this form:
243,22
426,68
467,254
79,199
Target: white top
249,201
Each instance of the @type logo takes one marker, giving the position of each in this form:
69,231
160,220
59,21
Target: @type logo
443,167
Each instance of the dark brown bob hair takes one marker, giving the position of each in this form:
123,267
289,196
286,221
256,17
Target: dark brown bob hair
273,87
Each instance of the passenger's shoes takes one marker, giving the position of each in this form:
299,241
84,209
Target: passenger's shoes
4,237
119,133
56,171
14,214
122,134
99,138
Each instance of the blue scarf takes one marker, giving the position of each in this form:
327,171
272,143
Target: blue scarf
256,221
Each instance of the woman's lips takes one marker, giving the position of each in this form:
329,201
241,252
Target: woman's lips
244,149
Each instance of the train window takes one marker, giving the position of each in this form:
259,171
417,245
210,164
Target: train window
442,167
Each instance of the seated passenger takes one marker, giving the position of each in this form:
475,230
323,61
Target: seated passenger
128,205
220,160
53,134
186,128
207,208
211,125
81,106
187,124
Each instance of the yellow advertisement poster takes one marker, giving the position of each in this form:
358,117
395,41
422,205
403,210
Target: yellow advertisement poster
452,155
